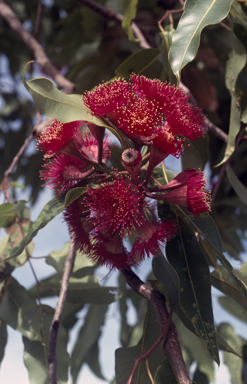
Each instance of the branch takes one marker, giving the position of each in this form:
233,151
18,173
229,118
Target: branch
35,132
151,349
216,131
37,50
172,347
52,360
111,15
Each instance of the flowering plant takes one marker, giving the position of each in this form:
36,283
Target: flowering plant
149,116
107,154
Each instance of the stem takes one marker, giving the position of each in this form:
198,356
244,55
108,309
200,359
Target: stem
52,360
37,50
151,349
157,300
111,15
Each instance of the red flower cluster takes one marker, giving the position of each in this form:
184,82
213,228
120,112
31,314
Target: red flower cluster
142,106
69,158
115,209
149,113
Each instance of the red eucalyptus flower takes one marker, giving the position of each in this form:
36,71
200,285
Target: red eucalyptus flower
63,171
116,205
153,237
110,253
105,99
57,135
188,190
79,226
183,118
168,141
141,118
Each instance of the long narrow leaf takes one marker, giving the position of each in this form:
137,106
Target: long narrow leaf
187,259
197,15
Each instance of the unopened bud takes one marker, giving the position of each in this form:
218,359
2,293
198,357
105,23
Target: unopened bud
132,161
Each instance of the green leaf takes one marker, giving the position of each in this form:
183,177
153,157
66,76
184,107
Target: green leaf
3,338
186,257
166,35
74,194
57,259
224,346
224,282
234,65
125,356
165,273
84,290
8,212
165,373
15,184
69,317
200,377
92,360
19,311
87,290
238,14
191,158
143,62
207,226
233,308
88,336
196,16
15,235
196,348
35,353
53,103
236,184
233,362
129,11
53,208
126,329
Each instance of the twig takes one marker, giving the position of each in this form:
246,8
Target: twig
18,155
4,184
111,15
52,360
216,131
38,52
151,349
226,27
35,132
169,14
38,19
172,347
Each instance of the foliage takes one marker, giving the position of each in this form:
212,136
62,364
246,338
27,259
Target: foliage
204,46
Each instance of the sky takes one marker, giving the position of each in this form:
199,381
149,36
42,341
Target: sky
53,237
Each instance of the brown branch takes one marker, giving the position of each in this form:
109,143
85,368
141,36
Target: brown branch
4,184
35,132
172,347
216,131
151,349
18,155
111,15
37,50
52,360
38,19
